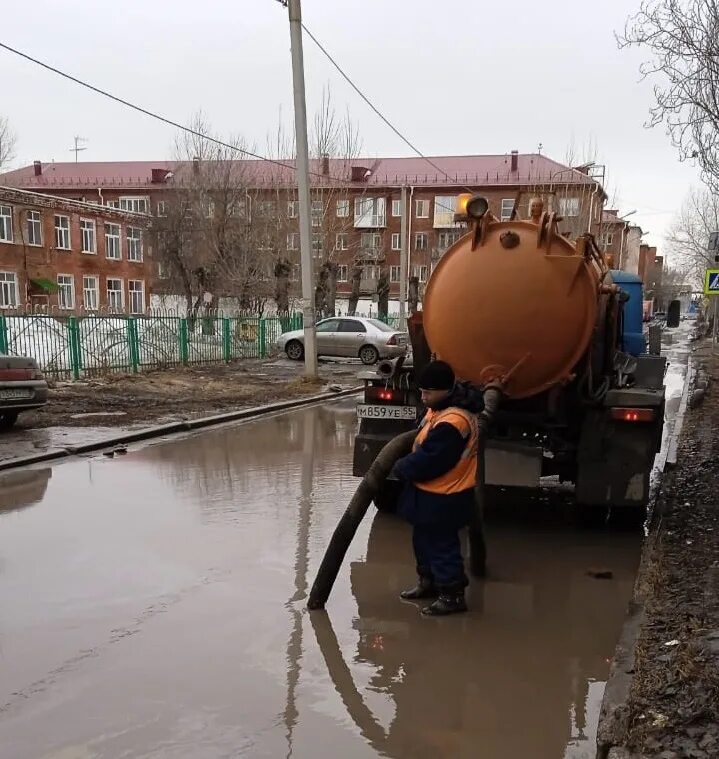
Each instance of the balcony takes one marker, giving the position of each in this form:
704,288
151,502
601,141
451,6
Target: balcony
371,254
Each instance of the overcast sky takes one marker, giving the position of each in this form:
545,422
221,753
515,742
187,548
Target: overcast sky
456,77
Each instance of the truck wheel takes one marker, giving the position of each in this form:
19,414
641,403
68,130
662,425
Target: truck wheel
295,350
592,515
629,517
386,500
8,419
369,354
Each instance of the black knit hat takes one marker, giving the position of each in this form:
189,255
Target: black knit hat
437,375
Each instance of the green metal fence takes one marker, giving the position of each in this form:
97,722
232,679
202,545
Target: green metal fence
74,347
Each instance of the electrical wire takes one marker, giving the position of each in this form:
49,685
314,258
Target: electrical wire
196,133
161,118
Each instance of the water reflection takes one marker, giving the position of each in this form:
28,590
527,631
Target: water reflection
512,678
23,488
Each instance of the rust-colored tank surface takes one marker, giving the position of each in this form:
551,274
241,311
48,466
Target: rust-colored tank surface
513,306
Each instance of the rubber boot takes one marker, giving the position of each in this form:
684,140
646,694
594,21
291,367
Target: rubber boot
425,588
448,602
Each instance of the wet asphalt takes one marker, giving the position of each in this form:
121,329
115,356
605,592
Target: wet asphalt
153,606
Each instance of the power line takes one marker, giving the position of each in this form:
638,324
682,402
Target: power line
374,108
159,117
194,132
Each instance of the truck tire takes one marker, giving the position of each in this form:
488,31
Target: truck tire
592,516
8,419
387,498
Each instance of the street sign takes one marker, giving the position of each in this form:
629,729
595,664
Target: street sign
711,282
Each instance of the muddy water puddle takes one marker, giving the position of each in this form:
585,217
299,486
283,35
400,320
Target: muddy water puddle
153,606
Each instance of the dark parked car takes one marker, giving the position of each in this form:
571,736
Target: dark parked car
22,387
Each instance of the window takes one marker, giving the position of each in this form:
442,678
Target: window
396,241
343,209
445,239
62,232
136,290
607,239
421,209
506,209
112,241
34,228
370,241
161,208
342,241
396,208
90,293
208,208
66,292
5,223
421,240
293,241
295,272
394,273
8,289
331,325
87,231
293,209
342,273
318,212
713,242
113,204
115,295
370,212
134,244
317,245
369,272
351,325
266,208
569,207
139,205
444,209
420,272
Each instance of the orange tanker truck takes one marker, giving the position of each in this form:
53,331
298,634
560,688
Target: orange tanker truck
515,305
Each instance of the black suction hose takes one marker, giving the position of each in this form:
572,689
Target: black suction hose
344,532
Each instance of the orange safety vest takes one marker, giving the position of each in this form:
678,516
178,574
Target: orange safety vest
463,474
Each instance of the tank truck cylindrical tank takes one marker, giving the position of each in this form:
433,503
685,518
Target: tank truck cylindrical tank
518,304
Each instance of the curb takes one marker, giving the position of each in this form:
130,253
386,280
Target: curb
187,425
672,447
613,725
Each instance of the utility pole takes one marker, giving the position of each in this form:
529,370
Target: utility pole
303,187
403,260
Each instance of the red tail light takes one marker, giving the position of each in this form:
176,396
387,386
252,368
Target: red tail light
392,340
384,395
632,414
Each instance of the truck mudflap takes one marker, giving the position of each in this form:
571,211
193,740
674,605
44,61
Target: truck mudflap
615,459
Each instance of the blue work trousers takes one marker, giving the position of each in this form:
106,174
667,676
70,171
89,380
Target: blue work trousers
439,555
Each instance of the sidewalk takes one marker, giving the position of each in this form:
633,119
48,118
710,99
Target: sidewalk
673,706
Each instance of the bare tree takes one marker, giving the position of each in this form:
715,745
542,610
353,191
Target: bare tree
680,37
688,237
206,240
8,140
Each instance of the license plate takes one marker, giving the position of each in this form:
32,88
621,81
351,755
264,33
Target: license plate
9,395
366,411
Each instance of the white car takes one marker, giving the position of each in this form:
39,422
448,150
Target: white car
351,337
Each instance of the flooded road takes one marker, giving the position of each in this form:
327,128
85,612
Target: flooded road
153,606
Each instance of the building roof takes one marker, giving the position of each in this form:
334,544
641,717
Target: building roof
31,198
450,171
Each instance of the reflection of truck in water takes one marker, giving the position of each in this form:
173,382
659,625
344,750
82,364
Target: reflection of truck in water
517,303
520,677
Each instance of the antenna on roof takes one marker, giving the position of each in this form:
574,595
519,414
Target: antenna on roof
539,148
77,149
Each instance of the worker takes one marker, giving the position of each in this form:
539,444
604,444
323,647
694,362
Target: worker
438,494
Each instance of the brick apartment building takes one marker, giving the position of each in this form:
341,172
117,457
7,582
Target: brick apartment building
356,205
68,257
